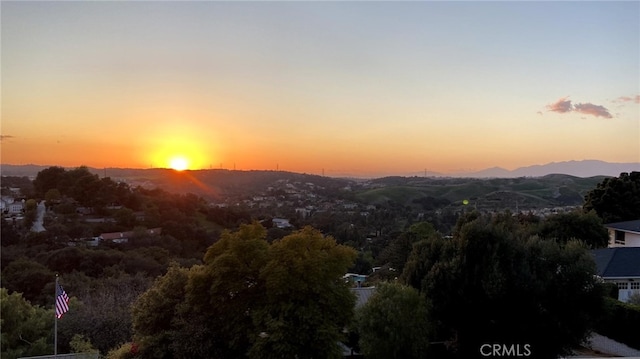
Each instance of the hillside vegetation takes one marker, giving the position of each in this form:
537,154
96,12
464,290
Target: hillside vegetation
490,194
177,242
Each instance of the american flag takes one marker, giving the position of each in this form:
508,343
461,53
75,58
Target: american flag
62,302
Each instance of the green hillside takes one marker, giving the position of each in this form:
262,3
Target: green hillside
498,193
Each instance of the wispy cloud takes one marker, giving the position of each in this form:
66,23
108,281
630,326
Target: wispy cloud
564,105
591,109
561,106
5,137
635,99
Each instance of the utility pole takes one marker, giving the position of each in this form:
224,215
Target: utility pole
55,325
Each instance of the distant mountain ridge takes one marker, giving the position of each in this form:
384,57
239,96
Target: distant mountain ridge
584,168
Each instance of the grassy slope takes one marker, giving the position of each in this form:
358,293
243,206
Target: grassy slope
547,191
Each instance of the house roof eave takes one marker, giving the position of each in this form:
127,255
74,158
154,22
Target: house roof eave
622,277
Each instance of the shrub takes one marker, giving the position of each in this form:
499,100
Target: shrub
620,322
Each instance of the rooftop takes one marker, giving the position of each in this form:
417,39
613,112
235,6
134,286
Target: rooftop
627,226
617,262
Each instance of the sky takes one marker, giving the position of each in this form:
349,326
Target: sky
321,87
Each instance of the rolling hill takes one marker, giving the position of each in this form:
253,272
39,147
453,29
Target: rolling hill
497,193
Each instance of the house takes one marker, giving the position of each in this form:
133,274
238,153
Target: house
303,212
624,234
281,223
358,279
15,207
116,237
620,265
123,237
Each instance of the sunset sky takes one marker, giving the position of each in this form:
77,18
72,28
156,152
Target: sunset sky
359,88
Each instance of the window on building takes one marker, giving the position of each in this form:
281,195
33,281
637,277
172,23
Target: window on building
622,285
619,237
635,286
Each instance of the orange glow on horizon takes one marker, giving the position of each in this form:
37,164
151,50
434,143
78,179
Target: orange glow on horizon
179,146
179,158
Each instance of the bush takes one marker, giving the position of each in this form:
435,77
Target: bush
620,322
125,351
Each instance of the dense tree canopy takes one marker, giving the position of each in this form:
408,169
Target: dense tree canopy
251,299
26,329
586,227
393,323
307,305
491,284
30,278
100,311
48,179
80,184
154,312
397,252
616,199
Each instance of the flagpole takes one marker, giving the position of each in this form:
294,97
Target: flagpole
55,331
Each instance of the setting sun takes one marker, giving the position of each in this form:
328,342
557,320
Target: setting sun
179,147
179,163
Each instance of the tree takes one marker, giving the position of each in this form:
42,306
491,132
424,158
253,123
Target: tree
8,234
397,252
86,187
101,314
26,329
154,311
52,196
30,212
307,304
23,183
47,179
30,205
80,184
125,217
29,278
518,289
393,323
616,199
221,296
250,298
586,227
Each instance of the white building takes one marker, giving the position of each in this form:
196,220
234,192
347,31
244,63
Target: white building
624,234
16,207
